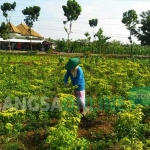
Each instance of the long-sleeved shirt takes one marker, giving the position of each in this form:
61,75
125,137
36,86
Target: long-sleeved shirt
78,80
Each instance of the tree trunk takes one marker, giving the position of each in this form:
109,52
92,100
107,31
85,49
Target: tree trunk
9,45
131,43
93,34
30,40
9,38
30,45
68,44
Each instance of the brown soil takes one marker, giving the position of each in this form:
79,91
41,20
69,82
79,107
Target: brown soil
34,140
103,124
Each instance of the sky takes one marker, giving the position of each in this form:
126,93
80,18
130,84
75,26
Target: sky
108,12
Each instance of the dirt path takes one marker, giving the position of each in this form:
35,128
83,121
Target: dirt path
74,54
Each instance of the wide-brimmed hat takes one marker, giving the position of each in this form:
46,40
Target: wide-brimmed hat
72,63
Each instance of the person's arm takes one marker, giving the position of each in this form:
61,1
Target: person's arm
66,76
79,76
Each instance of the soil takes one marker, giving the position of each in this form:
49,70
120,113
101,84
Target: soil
35,140
102,123
100,127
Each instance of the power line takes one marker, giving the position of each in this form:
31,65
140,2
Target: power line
75,31
50,26
76,22
80,32
82,18
78,18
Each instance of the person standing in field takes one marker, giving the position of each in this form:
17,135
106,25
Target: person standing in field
75,72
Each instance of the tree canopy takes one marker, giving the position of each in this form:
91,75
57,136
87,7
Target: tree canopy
143,32
32,14
93,22
130,19
7,7
101,37
72,10
4,30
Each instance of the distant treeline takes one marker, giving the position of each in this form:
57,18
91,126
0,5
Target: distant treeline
114,47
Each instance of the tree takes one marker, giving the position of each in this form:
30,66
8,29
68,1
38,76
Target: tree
102,40
4,30
72,10
87,42
130,19
88,36
143,32
7,9
32,14
93,23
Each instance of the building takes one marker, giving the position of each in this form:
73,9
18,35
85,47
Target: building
20,39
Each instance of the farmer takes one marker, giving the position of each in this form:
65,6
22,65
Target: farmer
76,74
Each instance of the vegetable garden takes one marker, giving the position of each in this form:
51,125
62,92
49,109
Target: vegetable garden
38,112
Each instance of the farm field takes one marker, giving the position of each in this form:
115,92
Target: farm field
38,113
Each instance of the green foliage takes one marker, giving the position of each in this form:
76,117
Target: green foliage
7,7
143,34
114,47
4,31
101,37
108,82
32,14
61,59
72,10
11,126
129,127
93,23
61,138
90,117
131,144
130,20
102,40
64,134
61,45
87,36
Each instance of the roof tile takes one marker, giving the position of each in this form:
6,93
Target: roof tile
24,29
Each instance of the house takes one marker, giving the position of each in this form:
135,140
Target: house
20,38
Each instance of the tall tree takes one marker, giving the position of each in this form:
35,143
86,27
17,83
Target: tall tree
7,9
102,39
143,32
32,14
130,19
93,23
72,11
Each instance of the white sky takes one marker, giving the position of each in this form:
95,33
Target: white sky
108,12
